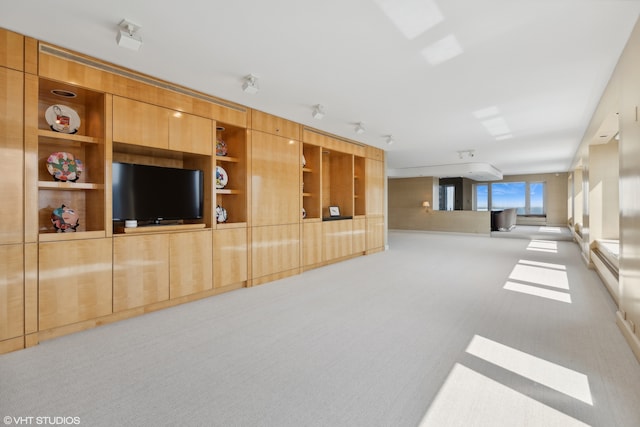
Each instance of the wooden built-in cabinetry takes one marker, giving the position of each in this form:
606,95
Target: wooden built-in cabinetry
282,178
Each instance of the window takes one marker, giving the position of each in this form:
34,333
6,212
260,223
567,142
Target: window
447,197
509,195
481,202
527,197
536,198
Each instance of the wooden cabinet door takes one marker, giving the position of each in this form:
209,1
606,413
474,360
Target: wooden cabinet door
375,232
11,291
374,187
12,154
190,263
75,278
139,123
191,134
359,235
275,180
337,238
11,50
229,257
275,249
311,243
274,125
140,270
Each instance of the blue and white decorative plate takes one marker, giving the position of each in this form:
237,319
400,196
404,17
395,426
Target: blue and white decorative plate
221,177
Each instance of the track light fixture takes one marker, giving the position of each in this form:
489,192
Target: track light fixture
359,128
318,111
250,84
128,36
390,140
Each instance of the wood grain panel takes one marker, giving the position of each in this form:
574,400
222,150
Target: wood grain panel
97,78
229,257
311,243
11,50
337,237
30,55
139,123
190,263
375,232
275,180
11,291
74,281
374,187
191,134
374,153
31,158
329,142
11,152
140,270
275,249
359,235
274,125
30,288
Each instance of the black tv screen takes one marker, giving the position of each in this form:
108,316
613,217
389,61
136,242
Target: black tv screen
155,193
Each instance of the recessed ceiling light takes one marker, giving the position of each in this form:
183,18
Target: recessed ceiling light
64,93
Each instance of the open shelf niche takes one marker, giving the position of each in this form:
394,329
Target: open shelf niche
337,182
311,179
87,194
233,197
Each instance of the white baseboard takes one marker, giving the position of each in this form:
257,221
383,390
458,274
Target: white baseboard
630,336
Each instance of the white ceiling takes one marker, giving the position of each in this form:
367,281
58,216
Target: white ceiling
529,71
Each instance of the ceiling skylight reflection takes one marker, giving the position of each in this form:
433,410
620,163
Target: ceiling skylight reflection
412,17
496,126
443,50
494,123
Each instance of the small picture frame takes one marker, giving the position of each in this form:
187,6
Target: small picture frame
334,211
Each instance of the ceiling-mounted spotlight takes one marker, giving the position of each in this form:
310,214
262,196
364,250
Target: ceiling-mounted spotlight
359,128
128,35
250,84
390,140
318,111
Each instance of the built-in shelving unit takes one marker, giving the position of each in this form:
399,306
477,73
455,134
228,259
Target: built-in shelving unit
86,195
104,272
233,197
311,179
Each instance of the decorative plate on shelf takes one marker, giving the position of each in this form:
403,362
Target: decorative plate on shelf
221,214
62,118
64,166
221,177
304,213
65,219
304,161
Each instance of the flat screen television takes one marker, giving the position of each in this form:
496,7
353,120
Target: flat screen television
155,193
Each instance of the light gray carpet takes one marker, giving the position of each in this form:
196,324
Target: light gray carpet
422,333
536,232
